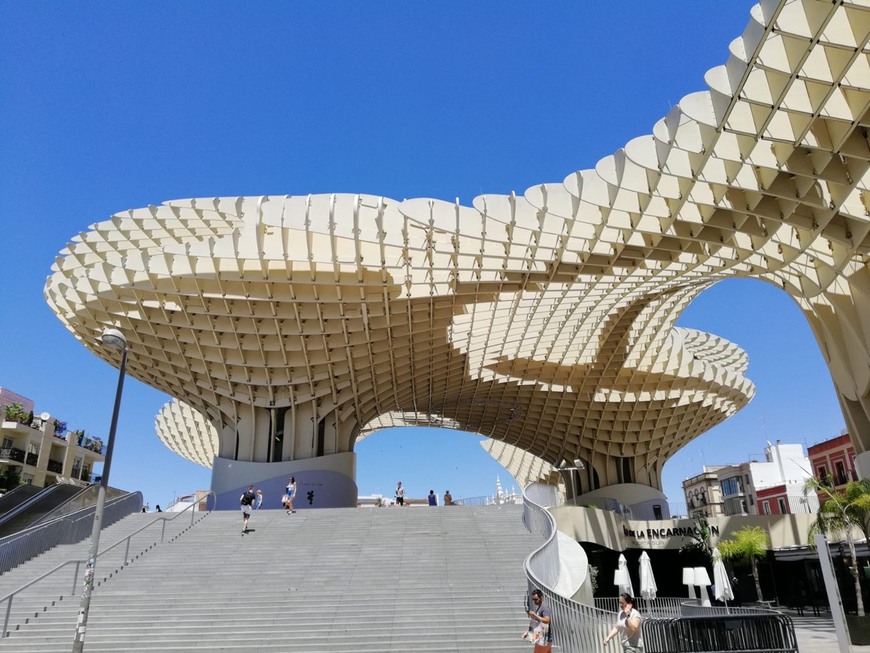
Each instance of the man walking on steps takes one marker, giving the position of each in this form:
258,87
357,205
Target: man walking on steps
400,494
247,502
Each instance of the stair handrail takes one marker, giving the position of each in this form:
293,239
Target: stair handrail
18,548
576,626
209,508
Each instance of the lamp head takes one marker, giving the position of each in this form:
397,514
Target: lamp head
115,339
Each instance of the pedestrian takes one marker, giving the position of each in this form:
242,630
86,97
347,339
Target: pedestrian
628,626
259,500
433,500
247,502
400,494
540,625
448,498
158,508
291,493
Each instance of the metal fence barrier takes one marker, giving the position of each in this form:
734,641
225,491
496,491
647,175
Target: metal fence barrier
744,633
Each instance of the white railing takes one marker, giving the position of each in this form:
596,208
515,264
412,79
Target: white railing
63,580
575,626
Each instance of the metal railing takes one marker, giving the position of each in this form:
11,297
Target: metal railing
20,547
746,633
575,626
110,561
673,606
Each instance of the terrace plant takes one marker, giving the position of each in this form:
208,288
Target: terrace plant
15,413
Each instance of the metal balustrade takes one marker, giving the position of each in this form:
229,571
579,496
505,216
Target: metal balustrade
575,626
64,580
20,547
673,606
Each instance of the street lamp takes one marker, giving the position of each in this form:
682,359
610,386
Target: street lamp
110,338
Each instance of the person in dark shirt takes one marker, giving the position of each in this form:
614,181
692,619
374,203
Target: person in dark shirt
433,500
247,504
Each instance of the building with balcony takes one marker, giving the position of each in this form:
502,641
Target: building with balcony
704,494
834,458
38,449
777,482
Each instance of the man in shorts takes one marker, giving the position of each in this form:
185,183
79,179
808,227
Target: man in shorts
247,501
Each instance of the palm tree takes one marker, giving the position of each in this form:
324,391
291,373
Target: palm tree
839,512
700,537
749,543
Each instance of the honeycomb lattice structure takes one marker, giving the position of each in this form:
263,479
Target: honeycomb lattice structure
543,320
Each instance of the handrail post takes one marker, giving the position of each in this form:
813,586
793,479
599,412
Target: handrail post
163,532
127,550
76,576
8,612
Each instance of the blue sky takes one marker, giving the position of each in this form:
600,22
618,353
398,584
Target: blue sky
107,106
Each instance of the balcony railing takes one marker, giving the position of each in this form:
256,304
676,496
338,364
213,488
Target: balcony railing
55,466
11,453
32,459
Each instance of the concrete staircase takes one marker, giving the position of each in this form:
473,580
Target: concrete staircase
389,579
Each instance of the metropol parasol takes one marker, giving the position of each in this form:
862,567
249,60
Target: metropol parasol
286,328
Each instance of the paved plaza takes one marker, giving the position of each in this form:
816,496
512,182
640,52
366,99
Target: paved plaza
815,634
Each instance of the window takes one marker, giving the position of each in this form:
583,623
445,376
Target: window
7,443
765,507
822,473
77,467
657,511
731,486
840,466
782,509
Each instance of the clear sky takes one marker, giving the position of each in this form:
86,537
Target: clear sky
107,106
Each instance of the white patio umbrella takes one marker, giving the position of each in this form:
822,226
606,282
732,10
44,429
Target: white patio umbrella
721,582
621,578
648,587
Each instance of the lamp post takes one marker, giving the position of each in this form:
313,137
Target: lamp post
110,338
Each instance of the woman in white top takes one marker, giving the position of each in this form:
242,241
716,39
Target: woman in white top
291,492
627,626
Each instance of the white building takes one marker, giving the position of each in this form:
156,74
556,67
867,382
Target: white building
785,465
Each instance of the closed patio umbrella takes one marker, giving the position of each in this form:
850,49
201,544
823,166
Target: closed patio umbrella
648,587
621,577
721,582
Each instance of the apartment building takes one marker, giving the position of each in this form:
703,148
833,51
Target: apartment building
37,449
834,458
769,487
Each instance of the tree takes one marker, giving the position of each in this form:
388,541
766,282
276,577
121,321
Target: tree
749,543
839,512
700,537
